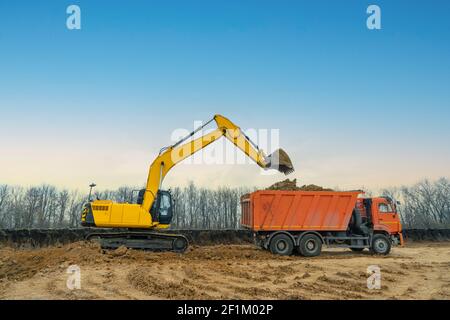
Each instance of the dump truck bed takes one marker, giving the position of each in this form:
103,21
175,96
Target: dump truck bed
270,210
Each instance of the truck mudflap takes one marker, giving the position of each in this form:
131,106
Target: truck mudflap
400,235
397,239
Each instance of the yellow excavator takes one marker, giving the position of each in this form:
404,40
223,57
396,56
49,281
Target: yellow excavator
153,208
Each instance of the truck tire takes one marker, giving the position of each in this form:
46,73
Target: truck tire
310,245
380,244
281,244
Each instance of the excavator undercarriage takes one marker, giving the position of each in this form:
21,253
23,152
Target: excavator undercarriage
146,240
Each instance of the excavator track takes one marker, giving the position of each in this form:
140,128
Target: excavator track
153,241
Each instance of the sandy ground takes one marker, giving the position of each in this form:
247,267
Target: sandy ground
416,271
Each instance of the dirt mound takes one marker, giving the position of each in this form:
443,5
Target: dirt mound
33,238
143,280
223,272
292,186
21,264
29,239
426,234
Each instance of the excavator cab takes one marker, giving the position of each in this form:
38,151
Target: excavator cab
162,208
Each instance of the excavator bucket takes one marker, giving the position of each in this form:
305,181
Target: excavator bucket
280,161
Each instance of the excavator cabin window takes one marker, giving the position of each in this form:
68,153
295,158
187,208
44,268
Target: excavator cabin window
164,205
162,208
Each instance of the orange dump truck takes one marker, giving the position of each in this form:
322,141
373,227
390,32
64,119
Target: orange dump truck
284,221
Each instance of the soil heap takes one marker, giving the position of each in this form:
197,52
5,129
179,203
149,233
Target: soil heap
292,185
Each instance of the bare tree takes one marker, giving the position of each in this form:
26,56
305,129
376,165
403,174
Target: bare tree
426,204
4,197
63,201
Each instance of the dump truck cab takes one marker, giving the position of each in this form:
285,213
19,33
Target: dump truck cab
384,217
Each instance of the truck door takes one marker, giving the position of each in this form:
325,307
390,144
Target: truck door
388,217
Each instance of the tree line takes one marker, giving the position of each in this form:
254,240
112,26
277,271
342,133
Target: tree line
423,205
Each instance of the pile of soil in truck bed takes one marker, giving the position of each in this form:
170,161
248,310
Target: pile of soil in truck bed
292,185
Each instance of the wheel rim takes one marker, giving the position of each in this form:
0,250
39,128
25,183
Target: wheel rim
281,245
380,245
310,245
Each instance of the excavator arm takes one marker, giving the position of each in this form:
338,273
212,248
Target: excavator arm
181,150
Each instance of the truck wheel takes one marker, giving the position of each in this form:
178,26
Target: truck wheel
281,244
380,244
310,245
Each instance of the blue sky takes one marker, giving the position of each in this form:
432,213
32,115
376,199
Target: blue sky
355,107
